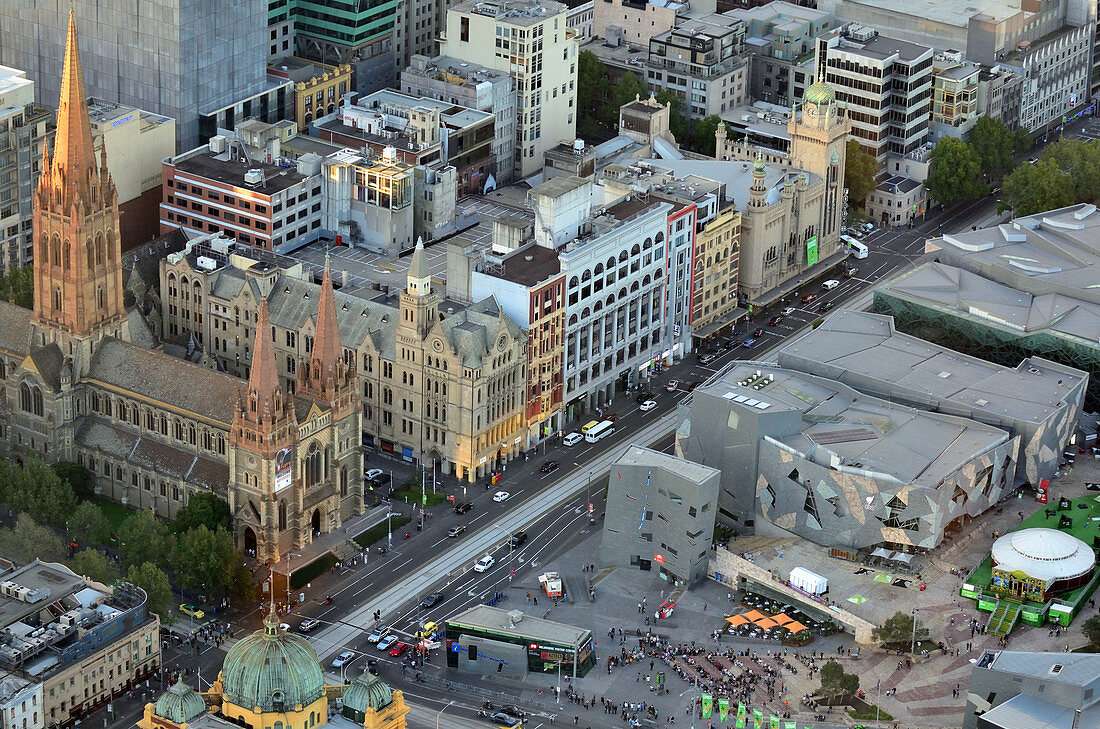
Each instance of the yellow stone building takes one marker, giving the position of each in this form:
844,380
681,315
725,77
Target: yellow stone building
272,679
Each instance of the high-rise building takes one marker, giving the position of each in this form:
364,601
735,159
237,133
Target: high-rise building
532,43
178,59
24,128
701,62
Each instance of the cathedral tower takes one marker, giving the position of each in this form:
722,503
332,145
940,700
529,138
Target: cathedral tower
77,260
325,376
418,302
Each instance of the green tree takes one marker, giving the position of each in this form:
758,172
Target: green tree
1034,188
143,538
1022,141
1080,160
205,561
203,508
18,286
898,629
88,526
836,683
93,564
74,474
37,490
152,579
592,88
29,540
954,173
994,143
627,88
677,122
860,168
1091,629
703,140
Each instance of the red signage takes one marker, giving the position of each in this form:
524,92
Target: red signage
659,558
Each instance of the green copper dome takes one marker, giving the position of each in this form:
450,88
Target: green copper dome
368,692
272,670
180,703
820,93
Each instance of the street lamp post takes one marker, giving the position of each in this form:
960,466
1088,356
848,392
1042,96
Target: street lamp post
288,556
913,643
440,714
389,529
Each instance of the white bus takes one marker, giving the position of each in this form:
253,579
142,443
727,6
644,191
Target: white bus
603,429
859,250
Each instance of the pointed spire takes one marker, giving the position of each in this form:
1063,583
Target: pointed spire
418,265
324,373
73,154
263,378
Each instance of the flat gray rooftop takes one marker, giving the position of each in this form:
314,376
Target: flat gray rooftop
867,345
484,617
649,458
949,12
36,576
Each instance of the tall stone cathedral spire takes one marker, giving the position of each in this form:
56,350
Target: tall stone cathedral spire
77,256
324,375
264,421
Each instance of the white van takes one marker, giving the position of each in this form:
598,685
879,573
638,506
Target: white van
572,439
830,284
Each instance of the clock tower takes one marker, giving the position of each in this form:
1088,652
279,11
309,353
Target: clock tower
819,135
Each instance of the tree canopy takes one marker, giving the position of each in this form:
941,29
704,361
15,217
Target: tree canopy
29,540
1034,188
18,286
703,136
994,143
860,168
206,561
144,538
954,172
835,682
204,509
93,564
152,579
36,490
898,629
87,525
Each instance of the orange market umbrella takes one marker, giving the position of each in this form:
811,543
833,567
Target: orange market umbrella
795,627
767,623
753,615
737,620
783,619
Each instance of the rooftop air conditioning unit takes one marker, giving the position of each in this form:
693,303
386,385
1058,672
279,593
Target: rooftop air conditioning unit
252,177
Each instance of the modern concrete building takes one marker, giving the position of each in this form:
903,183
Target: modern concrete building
1046,43
217,187
884,84
703,62
779,39
532,43
1022,689
137,141
1018,289
24,128
81,630
812,457
474,87
177,59
660,515
1038,401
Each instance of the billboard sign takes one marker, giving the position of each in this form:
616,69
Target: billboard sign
284,469
811,251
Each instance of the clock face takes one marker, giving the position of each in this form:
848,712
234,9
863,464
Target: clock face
502,343
437,345
811,111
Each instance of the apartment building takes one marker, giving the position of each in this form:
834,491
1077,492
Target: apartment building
703,63
216,188
955,85
580,19
319,88
24,127
474,87
533,44
635,22
885,85
780,40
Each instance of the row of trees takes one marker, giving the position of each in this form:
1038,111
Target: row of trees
52,523
964,170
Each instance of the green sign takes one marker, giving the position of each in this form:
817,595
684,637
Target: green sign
723,709
757,719
741,713
708,704
984,604
811,251
773,722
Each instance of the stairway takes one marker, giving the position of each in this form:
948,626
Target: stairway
1003,618
346,550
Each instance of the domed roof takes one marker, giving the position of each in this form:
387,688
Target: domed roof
819,93
273,670
180,703
368,692
1044,554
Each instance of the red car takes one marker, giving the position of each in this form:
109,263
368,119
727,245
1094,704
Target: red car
399,649
808,298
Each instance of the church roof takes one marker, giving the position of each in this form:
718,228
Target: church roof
48,361
472,331
15,328
418,264
176,383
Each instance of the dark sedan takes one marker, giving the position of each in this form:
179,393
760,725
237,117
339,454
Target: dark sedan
549,467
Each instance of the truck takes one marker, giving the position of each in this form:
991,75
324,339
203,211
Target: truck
551,583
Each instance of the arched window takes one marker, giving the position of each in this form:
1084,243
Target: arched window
99,249
586,275
25,397
44,247
622,256
572,320
55,250
635,250
574,282
57,298
611,262
36,398
110,245
101,297
91,254
282,514
599,268
67,258
344,481
659,238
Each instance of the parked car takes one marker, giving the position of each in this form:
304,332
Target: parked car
501,496
399,648
519,538
382,479
308,624
808,298
827,306
572,439
386,643
776,320
693,384
706,359
431,600
343,659
648,405
193,611
548,467
373,473
484,564
463,507
672,385
456,531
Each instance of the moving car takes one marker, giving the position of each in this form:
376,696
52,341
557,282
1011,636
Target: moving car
672,385
500,496
343,659
484,563
308,624
519,538
376,635
808,298
501,719
649,405
548,467
826,306
758,332
572,439
399,648
431,600
748,342
788,311
456,531
463,507
830,284
426,630
852,271
513,710
386,643
373,474
776,320
193,611
706,359
647,395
